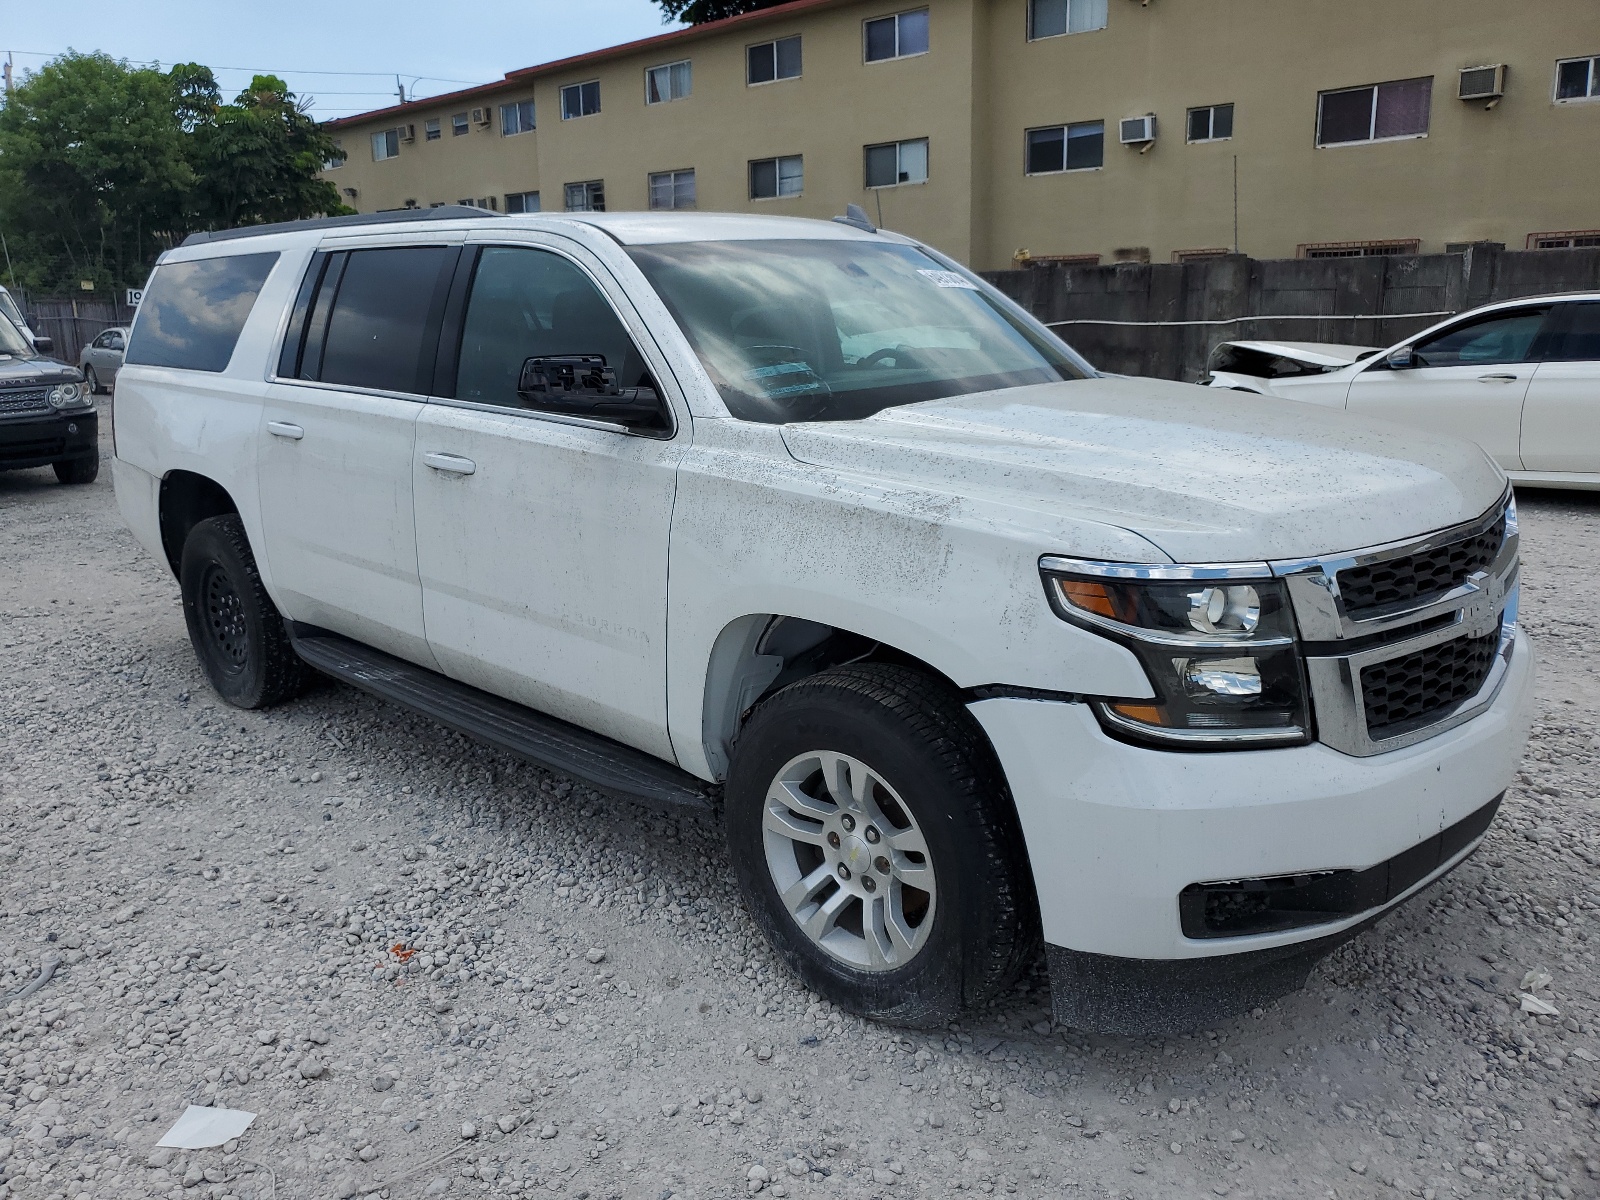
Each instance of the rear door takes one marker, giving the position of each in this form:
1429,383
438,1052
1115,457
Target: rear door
1561,416
542,539
1468,380
336,441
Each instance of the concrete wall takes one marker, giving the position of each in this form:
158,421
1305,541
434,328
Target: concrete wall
1362,301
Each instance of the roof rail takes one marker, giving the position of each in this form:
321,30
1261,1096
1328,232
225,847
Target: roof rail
445,212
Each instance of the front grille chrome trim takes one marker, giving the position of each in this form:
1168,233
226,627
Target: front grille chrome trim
1484,603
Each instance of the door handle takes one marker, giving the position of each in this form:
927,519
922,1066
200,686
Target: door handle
285,430
1497,378
452,464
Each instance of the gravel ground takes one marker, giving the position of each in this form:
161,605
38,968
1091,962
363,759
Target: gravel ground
434,970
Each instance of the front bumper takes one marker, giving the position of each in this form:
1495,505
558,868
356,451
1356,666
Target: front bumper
1116,832
42,440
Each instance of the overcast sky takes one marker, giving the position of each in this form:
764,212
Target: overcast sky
346,53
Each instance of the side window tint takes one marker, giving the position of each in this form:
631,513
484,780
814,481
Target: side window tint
529,303
1579,340
1498,339
379,317
193,312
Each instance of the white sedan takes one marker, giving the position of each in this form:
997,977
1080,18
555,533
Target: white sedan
1521,378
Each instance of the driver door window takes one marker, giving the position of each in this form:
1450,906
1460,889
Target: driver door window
527,303
1495,340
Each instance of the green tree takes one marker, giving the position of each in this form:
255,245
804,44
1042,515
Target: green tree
93,174
698,12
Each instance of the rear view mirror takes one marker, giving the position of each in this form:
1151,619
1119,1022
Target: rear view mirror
1401,360
582,385
44,344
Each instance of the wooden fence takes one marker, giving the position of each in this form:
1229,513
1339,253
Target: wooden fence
72,323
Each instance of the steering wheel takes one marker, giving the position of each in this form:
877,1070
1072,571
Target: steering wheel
877,357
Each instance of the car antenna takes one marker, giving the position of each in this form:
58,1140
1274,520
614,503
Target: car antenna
855,215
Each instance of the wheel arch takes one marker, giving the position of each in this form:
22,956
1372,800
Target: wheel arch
185,499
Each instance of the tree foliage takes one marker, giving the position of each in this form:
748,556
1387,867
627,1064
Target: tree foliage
103,166
698,12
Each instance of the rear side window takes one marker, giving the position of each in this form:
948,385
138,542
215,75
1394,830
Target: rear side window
1579,339
364,316
193,312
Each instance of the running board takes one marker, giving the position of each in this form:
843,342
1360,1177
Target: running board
505,725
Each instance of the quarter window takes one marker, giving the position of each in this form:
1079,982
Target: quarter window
1579,339
528,303
1076,147
892,163
580,100
1504,337
431,131
899,36
771,178
769,61
1577,79
373,334
522,202
193,312
385,145
672,189
589,196
1052,18
673,81
516,118
1213,123
458,124
1374,114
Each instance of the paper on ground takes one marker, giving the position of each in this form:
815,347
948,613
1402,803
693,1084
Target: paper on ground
202,1128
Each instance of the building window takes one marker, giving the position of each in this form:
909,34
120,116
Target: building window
385,145
773,60
892,163
1578,79
522,202
580,100
487,203
458,124
1213,123
1079,147
1052,18
336,159
899,36
672,189
430,130
586,197
673,81
1577,239
516,118
1384,248
771,178
1205,254
1374,114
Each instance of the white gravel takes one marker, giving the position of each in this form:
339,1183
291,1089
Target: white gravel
434,970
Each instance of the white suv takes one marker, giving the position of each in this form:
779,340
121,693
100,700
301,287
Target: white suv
803,522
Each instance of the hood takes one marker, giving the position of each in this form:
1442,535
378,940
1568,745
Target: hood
1206,475
34,372
1316,354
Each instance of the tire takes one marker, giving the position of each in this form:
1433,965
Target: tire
91,380
77,470
236,630
904,739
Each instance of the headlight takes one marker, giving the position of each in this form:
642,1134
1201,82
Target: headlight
68,395
1218,645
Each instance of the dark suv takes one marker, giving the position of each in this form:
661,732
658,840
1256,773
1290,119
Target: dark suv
47,415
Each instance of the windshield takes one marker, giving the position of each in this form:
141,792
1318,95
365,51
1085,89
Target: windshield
12,342
8,306
836,330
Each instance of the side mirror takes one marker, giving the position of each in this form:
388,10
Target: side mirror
582,385
1401,360
44,344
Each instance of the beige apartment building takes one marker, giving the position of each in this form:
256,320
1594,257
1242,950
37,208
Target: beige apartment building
1004,131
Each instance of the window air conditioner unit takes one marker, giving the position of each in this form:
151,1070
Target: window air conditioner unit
408,133
1138,131
480,116
1483,83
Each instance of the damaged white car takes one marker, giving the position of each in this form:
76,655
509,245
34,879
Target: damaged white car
1520,378
802,524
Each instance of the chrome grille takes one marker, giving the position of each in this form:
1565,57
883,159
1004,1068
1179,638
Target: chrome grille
32,402
1417,687
1412,577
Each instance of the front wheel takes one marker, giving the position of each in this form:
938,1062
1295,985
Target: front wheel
876,844
235,628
